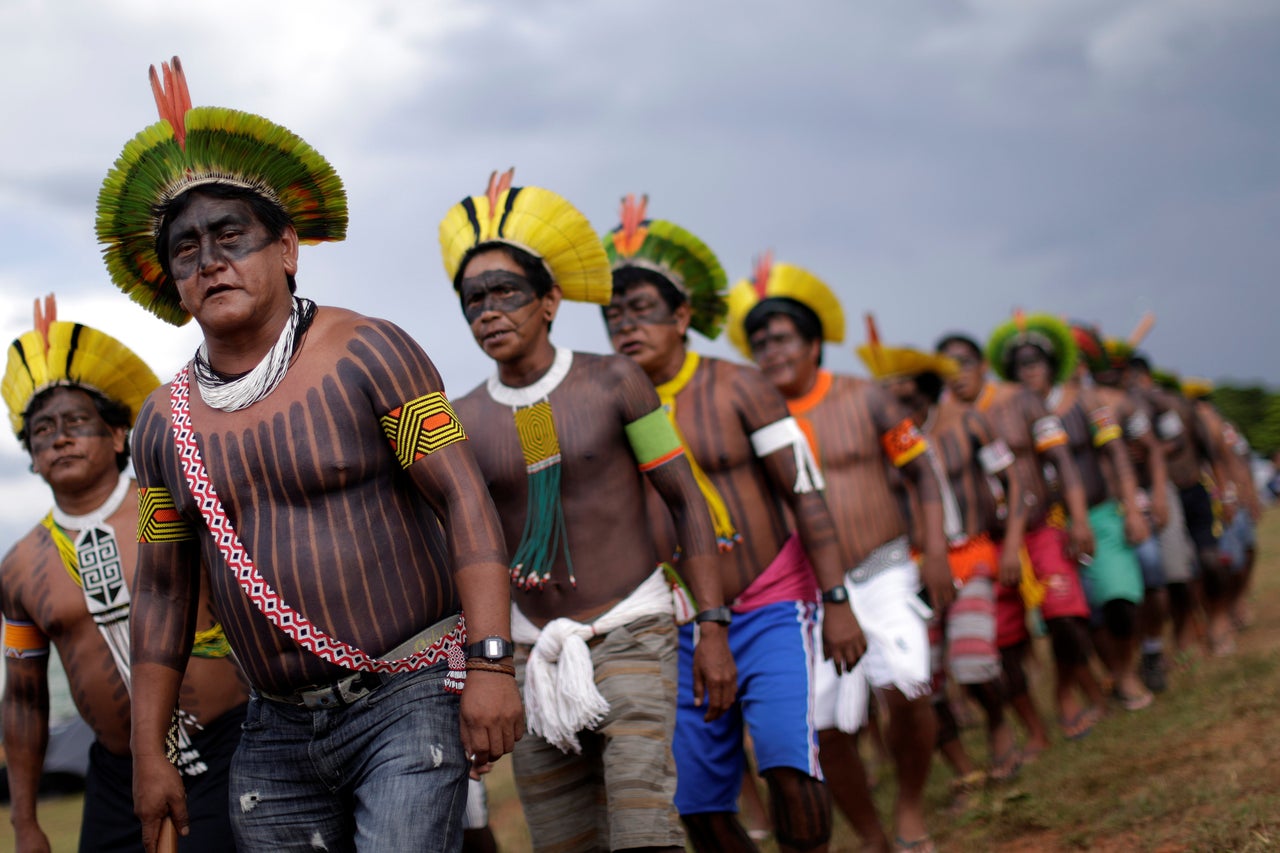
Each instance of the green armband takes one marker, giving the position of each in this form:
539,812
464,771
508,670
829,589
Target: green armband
653,440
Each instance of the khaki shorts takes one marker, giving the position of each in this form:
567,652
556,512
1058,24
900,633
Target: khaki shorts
620,791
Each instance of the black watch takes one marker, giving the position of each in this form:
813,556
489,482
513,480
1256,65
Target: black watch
836,595
493,648
723,615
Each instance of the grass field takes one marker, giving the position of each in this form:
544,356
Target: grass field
1197,771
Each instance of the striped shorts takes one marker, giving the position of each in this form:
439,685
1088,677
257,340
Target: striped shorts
620,792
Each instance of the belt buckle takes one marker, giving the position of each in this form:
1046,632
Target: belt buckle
355,687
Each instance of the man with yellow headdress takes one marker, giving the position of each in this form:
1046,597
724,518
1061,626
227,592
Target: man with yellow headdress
567,442
981,502
309,457
862,435
73,393
751,460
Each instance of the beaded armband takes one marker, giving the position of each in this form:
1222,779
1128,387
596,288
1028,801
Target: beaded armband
995,457
1103,426
24,640
653,440
903,443
1137,425
159,519
422,426
1048,433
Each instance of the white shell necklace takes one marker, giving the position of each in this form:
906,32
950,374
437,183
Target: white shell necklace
232,395
95,517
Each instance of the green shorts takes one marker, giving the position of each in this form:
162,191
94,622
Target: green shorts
1114,573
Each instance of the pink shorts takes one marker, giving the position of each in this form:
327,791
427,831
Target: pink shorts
1063,594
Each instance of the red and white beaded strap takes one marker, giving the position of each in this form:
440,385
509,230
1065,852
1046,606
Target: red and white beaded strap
284,617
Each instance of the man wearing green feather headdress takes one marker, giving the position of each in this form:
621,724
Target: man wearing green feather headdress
321,474
751,459
569,444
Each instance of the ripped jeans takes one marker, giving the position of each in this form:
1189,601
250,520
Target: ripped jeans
385,773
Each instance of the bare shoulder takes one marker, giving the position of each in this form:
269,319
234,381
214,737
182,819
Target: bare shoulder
472,402
19,563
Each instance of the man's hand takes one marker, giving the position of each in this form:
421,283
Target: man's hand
492,716
842,640
935,573
1010,567
1079,539
30,838
158,794
1135,528
715,676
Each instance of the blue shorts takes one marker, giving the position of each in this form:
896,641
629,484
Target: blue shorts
773,648
1149,559
1237,539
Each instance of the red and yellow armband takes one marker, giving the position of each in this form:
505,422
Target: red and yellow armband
422,426
1048,433
903,443
159,519
1103,426
653,440
24,640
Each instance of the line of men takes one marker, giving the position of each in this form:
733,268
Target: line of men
656,551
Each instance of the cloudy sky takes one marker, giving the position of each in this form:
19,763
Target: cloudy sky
938,163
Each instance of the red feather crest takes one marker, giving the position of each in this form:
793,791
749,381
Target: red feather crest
46,318
173,99
764,268
631,233
498,184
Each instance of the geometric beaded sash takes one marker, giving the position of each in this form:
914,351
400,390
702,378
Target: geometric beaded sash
280,614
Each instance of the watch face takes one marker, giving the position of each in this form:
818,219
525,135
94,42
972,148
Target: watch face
493,647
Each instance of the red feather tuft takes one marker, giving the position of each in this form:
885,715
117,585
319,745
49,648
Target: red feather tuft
498,184
46,318
1141,330
873,332
1020,319
173,99
631,233
764,267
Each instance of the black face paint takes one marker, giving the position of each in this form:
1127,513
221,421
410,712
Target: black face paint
223,236
78,421
785,341
494,290
643,307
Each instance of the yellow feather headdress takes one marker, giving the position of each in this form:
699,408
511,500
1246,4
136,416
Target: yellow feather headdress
899,362
56,353
786,281
190,147
538,221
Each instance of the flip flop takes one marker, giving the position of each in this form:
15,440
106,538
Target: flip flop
1078,726
1005,767
1134,703
920,845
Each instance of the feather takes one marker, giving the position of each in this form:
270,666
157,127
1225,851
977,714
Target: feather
764,265
46,318
1143,329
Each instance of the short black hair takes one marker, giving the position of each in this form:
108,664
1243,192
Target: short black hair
1140,362
535,271
805,320
113,413
959,338
627,277
270,214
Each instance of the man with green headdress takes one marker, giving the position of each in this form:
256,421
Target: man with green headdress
751,459
568,443
309,457
73,393
1039,352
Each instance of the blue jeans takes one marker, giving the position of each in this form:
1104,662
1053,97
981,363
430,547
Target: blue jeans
385,773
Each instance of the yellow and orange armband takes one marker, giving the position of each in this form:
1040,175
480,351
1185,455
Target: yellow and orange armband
1103,426
903,443
422,426
1048,433
159,519
24,640
653,440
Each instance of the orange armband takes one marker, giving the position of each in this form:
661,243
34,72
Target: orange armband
903,443
1048,433
24,640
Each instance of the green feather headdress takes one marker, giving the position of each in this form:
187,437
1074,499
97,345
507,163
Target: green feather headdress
1044,331
676,255
190,147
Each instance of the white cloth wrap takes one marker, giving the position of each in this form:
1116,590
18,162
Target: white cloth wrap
995,457
1169,425
787,433
560,695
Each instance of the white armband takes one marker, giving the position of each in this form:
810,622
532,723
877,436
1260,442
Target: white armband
1137,425
787,433
995,457
1169,425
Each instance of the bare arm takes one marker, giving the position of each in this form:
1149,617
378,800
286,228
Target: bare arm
165,595
25,708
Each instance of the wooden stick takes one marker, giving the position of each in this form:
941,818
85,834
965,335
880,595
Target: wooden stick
168,841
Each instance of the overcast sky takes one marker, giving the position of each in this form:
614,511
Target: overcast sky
938,163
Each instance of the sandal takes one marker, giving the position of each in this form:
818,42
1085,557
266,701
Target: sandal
920,845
